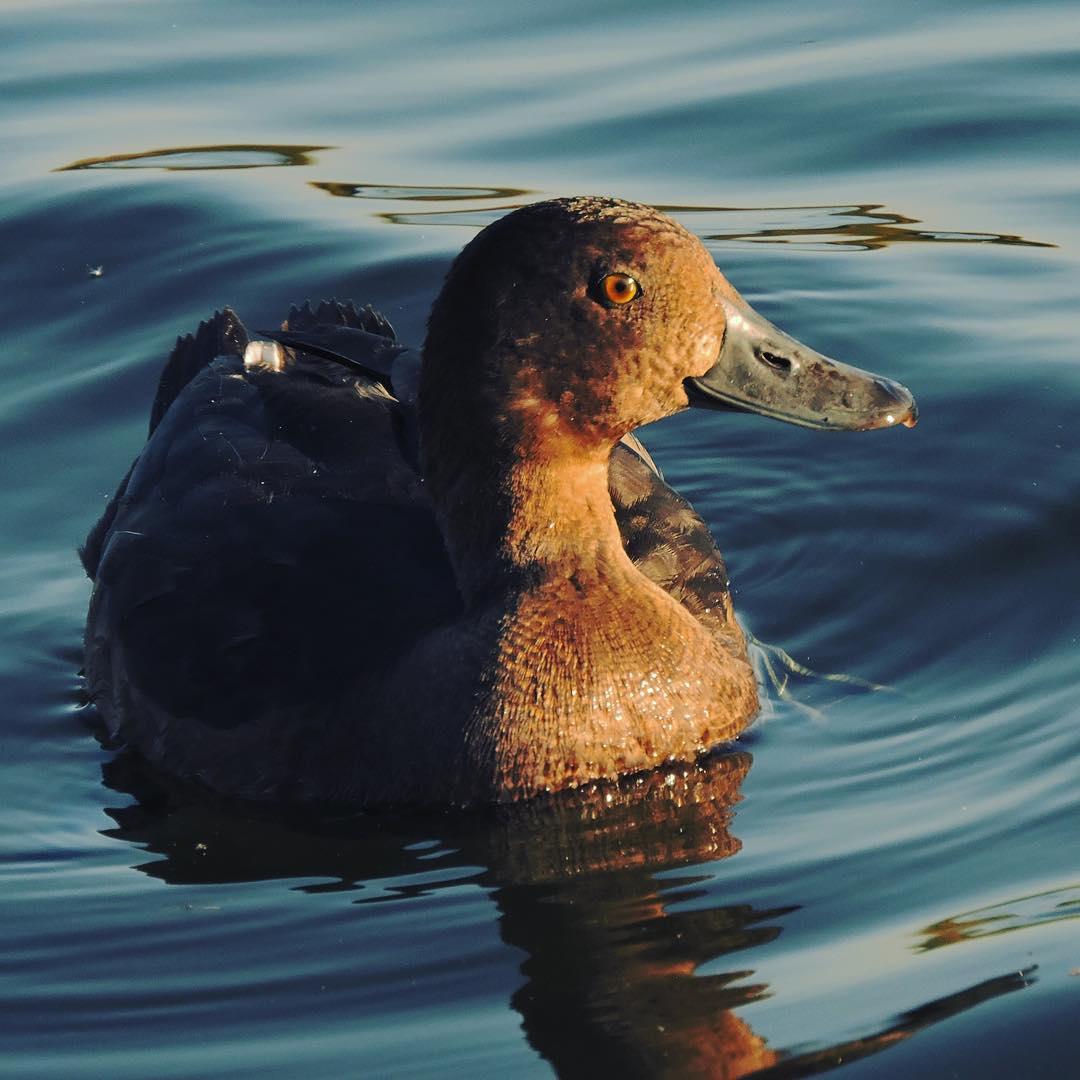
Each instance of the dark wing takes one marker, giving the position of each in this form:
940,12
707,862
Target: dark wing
222,334
270,544
667,539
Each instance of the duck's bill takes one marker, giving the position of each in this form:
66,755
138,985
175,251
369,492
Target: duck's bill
761,369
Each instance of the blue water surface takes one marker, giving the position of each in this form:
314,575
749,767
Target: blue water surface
886,874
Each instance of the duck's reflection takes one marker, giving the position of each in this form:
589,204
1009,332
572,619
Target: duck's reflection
611,949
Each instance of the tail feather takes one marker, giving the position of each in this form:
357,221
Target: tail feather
336,313
222,334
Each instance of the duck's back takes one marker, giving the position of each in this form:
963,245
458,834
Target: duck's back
270,542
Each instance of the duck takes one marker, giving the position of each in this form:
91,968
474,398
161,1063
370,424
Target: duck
345,570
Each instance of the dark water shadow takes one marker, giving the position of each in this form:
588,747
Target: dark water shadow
611,984
204,158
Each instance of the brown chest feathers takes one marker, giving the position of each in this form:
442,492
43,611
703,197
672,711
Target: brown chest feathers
587,674
612,680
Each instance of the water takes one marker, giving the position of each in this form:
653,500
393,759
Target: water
890,878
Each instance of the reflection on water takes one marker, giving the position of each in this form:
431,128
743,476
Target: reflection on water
907,1024
203,158
1057,905
866,227
416,194
612,950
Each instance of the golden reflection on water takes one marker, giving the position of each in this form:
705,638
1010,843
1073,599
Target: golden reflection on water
204,158
1056,905
873,228
863,226
612,950
406,193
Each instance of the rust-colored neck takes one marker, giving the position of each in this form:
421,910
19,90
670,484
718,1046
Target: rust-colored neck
520,491
515,524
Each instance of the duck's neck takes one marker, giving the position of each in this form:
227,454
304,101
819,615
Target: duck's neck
517,523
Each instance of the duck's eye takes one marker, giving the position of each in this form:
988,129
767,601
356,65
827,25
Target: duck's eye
617,289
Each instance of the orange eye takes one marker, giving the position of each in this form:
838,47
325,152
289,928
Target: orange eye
618,289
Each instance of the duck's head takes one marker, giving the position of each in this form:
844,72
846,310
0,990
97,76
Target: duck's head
571,322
